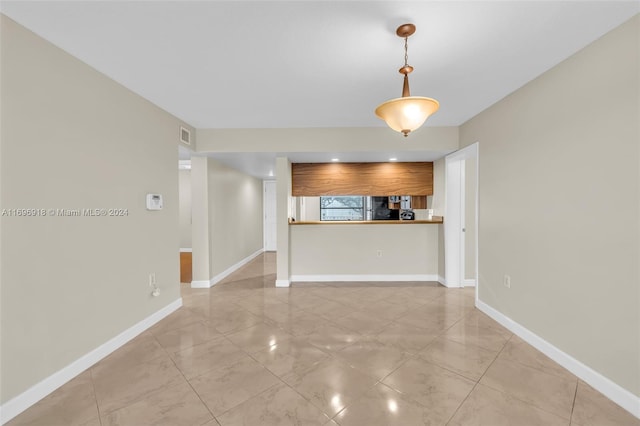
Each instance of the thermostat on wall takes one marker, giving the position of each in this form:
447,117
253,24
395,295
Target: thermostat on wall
154,202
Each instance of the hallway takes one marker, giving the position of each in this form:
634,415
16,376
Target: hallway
247,353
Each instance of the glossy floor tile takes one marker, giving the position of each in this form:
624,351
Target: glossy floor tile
382,406
433,387
276,406
373,357
295,355
593,409
488,407
224,388
118,388
72,404
177,405
329,354
545,391
330,385
467,360
214,354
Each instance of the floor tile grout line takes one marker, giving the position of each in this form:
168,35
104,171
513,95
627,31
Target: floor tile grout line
477,383
573,404
514,396
250,355
206,342
188,382
146,395
95,396
246,400
378,381
332,355
551,373
537,407
355,401
289,386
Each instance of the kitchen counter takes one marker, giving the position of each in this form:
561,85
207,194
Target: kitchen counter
379,250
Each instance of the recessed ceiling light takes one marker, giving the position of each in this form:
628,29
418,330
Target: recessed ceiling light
335,159
393,159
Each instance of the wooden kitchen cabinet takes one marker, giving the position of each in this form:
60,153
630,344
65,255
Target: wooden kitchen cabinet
418,201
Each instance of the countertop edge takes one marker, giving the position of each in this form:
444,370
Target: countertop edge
435,220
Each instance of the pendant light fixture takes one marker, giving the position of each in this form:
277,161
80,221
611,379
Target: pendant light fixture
407,113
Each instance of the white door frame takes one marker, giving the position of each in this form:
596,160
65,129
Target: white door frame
454,217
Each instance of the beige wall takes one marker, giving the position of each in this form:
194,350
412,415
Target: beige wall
235,216
73,139
560,205
184,203
200,221
410,249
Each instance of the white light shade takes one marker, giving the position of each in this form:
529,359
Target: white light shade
407,114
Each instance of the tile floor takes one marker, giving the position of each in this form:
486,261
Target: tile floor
365,354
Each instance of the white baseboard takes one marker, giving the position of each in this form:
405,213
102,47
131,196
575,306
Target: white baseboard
35,393
201,284
222,275
186,250
283,283
608,388
373,277
463,283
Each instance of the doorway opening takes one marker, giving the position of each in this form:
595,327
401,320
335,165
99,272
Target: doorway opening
461,218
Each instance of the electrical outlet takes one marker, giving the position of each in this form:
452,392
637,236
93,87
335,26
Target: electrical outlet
379,253
507,281
153,285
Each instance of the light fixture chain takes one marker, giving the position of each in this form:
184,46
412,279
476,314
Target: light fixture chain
406,54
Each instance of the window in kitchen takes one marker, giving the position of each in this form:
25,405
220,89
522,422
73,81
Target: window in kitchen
342,208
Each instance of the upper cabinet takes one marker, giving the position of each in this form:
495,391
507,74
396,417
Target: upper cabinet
317,179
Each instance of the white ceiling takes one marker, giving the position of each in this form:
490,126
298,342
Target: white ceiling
267,64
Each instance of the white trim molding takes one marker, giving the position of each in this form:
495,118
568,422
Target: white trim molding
186,250
349,277
35,393
283,283
222,275
605,386
442,280
201,284
469,282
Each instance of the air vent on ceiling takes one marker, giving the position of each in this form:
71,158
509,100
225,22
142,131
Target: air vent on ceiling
185,136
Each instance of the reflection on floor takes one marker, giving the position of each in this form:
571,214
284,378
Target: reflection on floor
247,353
